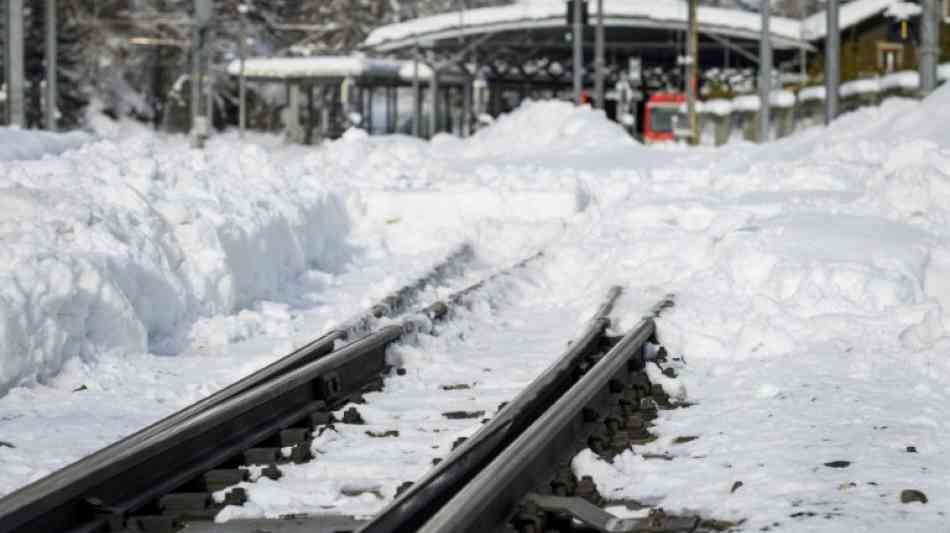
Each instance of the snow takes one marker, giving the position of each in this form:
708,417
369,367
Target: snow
811,280
746,102
17,144
288,68
719,107
816,26
811,93
865,86
551,13
902,10
943,72
782,99
905,79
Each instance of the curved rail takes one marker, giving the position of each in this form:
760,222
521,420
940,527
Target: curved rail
111,481
416,504
490,498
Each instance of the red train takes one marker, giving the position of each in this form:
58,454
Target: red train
661,116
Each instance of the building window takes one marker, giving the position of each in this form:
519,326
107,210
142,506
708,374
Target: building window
890,56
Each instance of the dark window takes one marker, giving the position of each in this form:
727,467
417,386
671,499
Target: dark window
661,119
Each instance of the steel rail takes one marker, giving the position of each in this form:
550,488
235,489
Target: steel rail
90,494
417,503
488,501
54,491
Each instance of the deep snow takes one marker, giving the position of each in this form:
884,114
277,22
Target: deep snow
812,278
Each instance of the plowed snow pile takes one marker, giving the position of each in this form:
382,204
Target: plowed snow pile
812,278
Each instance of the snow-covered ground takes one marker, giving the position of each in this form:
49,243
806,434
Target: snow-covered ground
812,278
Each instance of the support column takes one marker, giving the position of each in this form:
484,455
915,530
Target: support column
327,101
765,73
692,70
51,56
832,56
16,109
467,104
293,114
578,51
308,133
599,63
434,104
416,96
369,92
929,45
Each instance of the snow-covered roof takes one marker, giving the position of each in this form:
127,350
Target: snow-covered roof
865,86
815,26
327,67
551,14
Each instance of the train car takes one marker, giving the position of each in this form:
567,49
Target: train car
661,114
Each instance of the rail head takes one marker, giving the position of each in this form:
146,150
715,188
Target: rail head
417,503
489,498
70,490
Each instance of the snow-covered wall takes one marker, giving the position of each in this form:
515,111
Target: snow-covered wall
122,244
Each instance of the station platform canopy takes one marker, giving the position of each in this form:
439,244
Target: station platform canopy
539,15
330,70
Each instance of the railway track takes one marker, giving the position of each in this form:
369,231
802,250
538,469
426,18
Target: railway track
512,475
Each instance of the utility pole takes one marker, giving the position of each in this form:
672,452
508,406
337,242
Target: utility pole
599,62
242,84
16,110
199,72
51,92
832,57
765,74
929,52
692,72
578,51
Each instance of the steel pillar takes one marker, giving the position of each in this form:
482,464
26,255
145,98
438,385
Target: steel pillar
832,58
16,108
434,104
578,43
929,45
50,107
765,74
692,72
599,61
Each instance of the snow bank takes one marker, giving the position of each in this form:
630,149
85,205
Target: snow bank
905,79
719,107
546,126
866,86
120,246
811,93
746,102
33,144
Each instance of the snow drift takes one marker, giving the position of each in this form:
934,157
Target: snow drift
122,245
